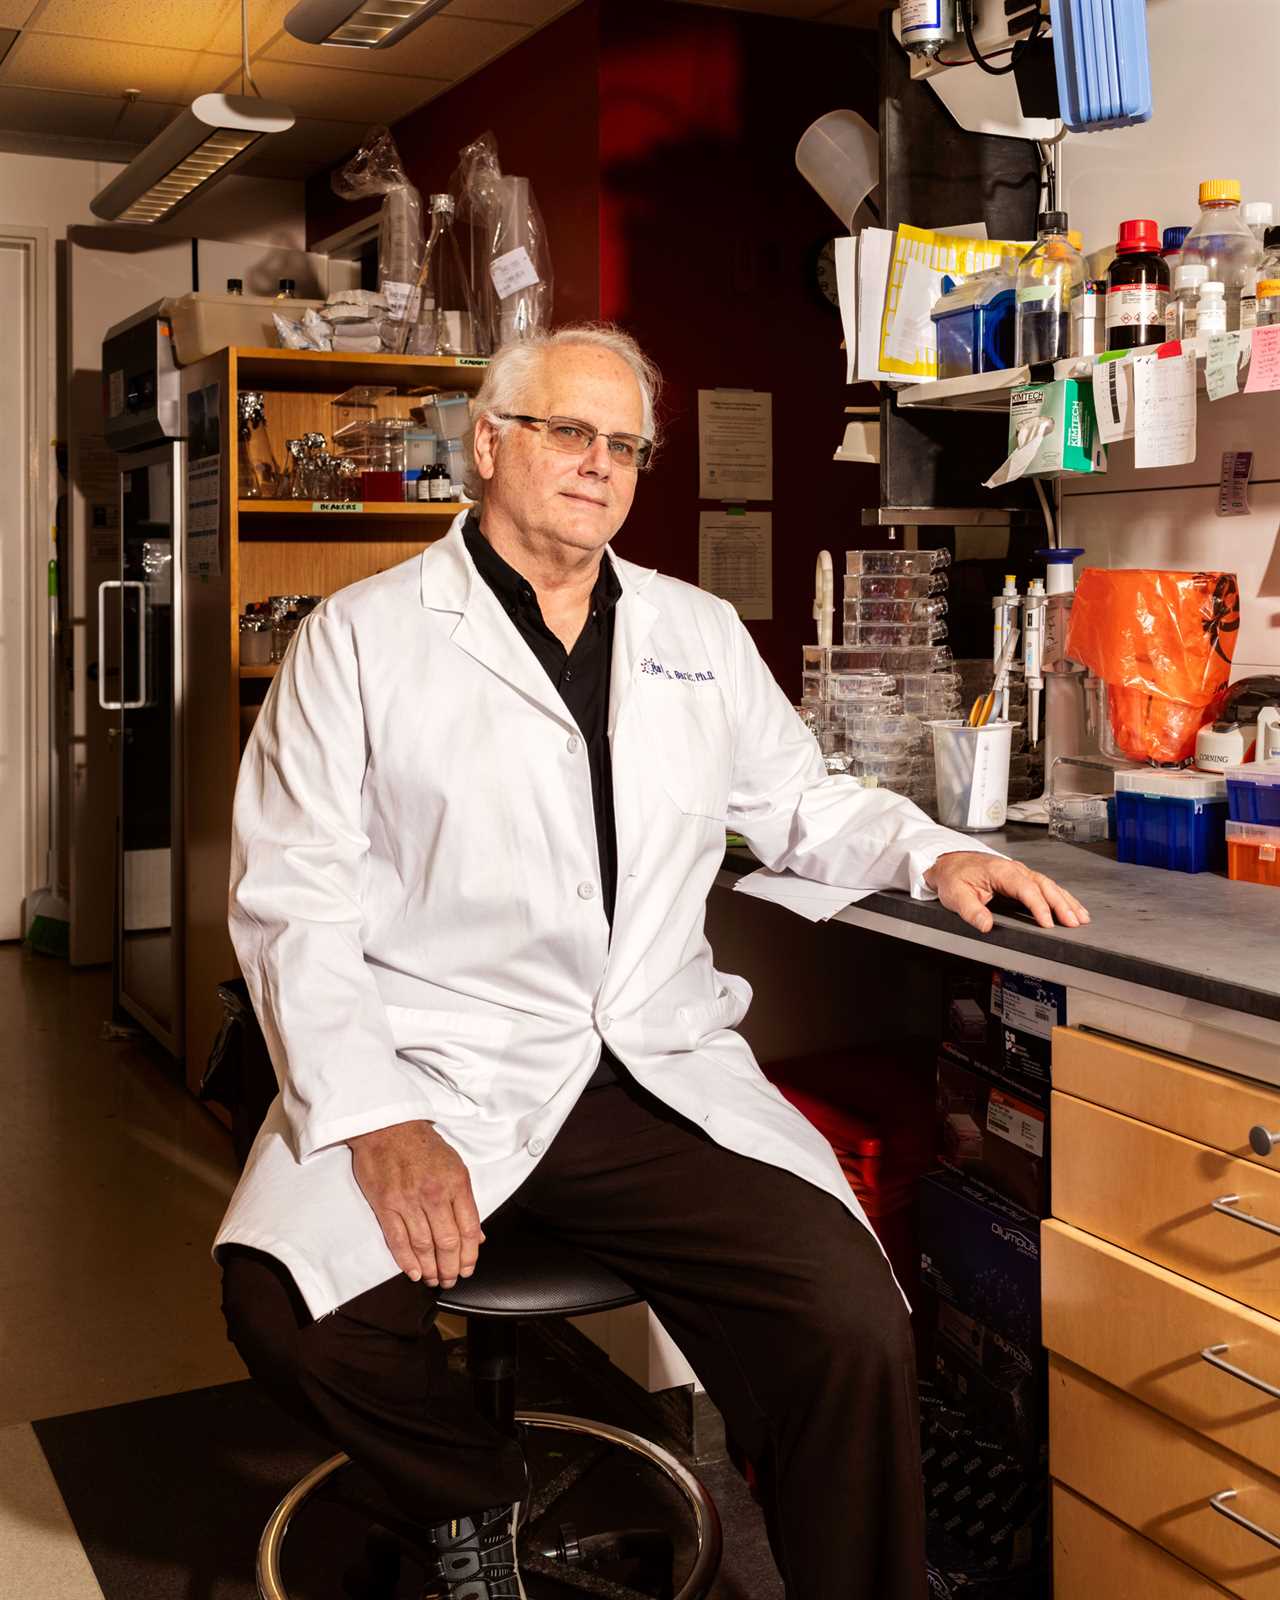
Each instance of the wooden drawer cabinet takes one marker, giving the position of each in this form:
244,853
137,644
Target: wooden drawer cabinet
1097,1558
1154,1193
1143,1329
1210,1107
1161,1480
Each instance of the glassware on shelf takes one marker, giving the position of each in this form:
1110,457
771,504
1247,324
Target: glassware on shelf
287,612
382,458
258,471
347,479
313,479
255,635
446,324
290,487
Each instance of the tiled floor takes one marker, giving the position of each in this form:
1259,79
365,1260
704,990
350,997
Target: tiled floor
111,1185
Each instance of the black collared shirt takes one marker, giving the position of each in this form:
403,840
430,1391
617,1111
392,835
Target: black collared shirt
582,677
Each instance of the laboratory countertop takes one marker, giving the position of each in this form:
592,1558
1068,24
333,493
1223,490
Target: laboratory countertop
1196,935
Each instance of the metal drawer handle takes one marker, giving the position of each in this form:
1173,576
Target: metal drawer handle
1226,1204
1213,1355
1223,1510
1262,1142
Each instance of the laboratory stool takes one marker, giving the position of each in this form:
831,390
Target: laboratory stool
522,1276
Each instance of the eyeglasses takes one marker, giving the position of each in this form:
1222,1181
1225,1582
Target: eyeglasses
576,438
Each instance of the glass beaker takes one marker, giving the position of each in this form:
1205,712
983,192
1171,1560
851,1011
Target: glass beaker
258,471
382,471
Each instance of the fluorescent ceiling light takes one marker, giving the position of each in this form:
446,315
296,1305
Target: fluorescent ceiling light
204,144
359,24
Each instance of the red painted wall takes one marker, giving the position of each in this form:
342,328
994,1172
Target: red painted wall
709,238
660,141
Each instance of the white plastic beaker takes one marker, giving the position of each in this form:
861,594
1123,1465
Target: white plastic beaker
972,770
839,155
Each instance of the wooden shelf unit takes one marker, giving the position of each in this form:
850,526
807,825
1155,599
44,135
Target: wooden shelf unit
265,548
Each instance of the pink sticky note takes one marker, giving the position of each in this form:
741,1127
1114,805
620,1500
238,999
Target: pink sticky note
1264,368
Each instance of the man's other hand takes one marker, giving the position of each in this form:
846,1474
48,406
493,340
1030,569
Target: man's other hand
966,880
420,1192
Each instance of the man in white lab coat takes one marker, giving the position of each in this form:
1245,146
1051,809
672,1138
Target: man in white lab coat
475,829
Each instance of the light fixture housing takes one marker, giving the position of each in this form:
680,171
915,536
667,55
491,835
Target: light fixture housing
210,139
359,24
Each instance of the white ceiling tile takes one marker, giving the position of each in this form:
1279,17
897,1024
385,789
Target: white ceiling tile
334,94
82,116
57,61
444,47
182,24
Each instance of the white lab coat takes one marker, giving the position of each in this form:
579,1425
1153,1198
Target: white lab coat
415,891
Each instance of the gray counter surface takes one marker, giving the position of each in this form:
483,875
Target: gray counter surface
1191,934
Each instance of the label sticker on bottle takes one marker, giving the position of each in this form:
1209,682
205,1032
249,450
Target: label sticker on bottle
403,301
918,14
513,272
1140,307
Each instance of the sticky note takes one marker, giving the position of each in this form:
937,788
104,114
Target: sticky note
1264,369
1164,411
1222,365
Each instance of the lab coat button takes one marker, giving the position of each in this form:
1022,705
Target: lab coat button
586,891
572,746
606,1021
536,1146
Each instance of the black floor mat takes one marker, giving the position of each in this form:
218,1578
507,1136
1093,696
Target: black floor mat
169,1496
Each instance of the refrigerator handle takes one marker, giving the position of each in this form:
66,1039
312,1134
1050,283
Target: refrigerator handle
123,584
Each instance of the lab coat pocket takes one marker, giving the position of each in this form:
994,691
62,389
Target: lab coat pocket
733,997
457,1053
691,745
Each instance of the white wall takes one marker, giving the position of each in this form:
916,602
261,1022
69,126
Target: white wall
1212,66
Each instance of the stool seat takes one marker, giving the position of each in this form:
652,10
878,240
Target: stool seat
521,1272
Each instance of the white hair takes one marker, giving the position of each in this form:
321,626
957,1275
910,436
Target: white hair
513,368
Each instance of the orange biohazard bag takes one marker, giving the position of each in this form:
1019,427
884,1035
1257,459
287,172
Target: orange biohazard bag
1163,642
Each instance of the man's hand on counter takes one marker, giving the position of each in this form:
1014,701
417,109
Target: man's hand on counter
967,880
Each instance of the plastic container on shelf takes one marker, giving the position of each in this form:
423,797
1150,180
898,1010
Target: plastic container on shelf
891,635
1211,308
1089,318
1269,267
1224,244
1171,245
1253,853
893,586
1049,278
896,562
925,683
1253,792
887,769
203,324
895,610
1081,818
813,686
447,415
973,321
1268,302
866,658
1173,820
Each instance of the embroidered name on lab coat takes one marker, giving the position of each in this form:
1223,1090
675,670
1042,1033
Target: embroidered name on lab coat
655,669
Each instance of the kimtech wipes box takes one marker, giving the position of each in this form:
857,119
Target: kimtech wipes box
1072,444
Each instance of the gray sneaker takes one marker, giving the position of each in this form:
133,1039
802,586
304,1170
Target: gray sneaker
476,1557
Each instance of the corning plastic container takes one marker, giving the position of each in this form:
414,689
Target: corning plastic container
894,610
1253,853
1173,820
1253,792
974,325
893,586
896,562
891,635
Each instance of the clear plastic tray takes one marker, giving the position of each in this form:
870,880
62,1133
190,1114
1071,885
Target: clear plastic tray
891,635
866,658
928,682
896,562
887,768
893,585
860,686
869,725
895,610
921,705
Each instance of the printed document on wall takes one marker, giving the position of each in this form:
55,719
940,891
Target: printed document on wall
735,444
735,560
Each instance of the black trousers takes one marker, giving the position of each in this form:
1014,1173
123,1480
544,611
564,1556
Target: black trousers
780,1301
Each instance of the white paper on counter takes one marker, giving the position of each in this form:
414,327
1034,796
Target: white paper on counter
1164,411
1113,400
816,901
